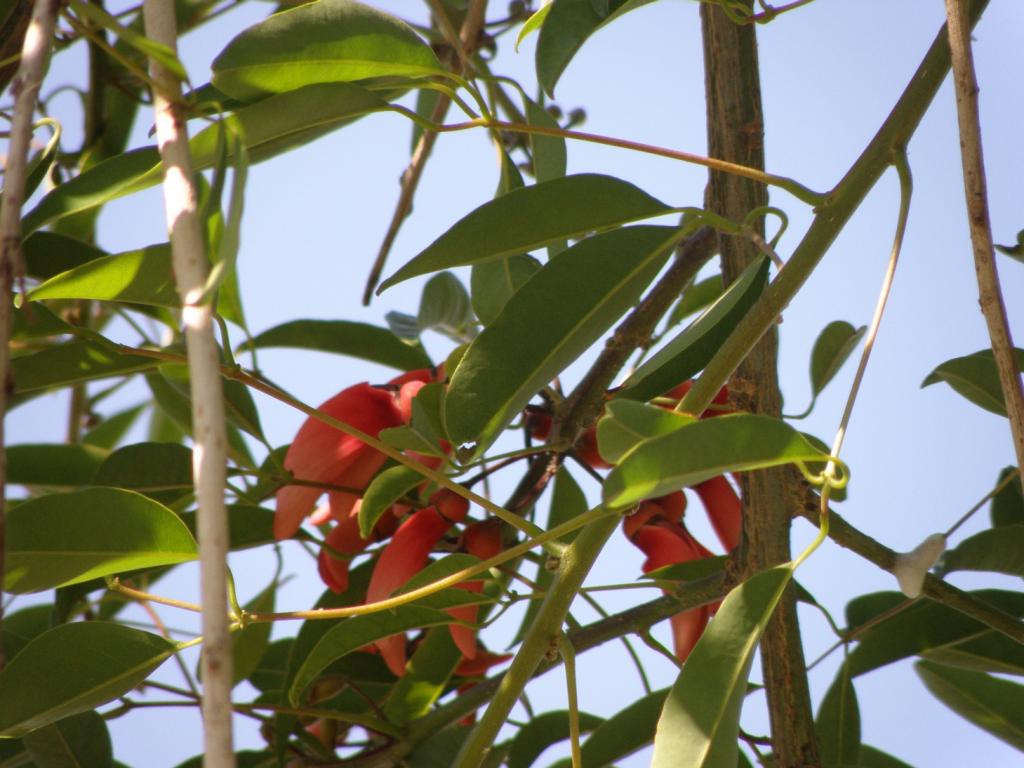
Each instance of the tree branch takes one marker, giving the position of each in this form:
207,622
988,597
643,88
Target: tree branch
990,296
35,53
190,265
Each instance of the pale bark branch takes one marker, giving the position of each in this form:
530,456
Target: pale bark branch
209,435
990,296
35,55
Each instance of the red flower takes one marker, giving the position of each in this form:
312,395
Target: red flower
404,557
724,509
344,542
483,541
323,454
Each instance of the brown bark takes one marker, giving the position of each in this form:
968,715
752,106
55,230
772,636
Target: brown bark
736,134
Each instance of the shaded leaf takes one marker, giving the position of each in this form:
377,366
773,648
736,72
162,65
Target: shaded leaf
838,723
112,429
360,340
141,277
701,450
149,468
445,308
79,741
624,732
355,632
997,549
21,626
987,652
249,526
426,676
528,218
832,348
269,674
58,464
322,42
33,320
549,155
699,724
696,298
383,491
250,643
870,757
693,348
1007,505
72,537
567,26
72,363
492,283
976,378
543,731
994,705
73,668
543,327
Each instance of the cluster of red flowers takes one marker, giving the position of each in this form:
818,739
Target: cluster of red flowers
322,455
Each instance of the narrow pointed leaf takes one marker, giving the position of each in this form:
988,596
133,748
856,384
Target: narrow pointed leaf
838,723
352,634
533,23
544,327
699,724
549,155
326,41
693,348
976,378
53,464
493,283
1007,505
79,741
73,537
50,253
111,430
426,677
987,652
627,423
72,363
383,491
870,757
360,340
567,26
625,732
141,277
528,218
73,668
994,705
696,298
543,731
832,348
997,549
33,320
701,450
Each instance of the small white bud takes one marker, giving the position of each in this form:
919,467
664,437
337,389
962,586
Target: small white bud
912,567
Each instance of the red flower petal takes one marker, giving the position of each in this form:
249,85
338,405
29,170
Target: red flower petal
687,627
344,538
483,541
724,509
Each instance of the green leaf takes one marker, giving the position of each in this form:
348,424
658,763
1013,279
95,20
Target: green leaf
72,537
689,571
832,348
624,732
976,378
445,308
79,741
838,723
23,625
150,48
72,363
544,327
492,283
408,439
1015,251
627,423
112,429
921,627
548,152
360,340
149,468
53,464
997,549
699,725
250,643
33,320
269,674
383,491
141,277
994,705
249,526
568,25
697,297
701,450
426,676
239,407
870,757
543,731
693,348
1008,505
987,652
50,253
533,23
322,42
528,218
268,127
73,668
353,633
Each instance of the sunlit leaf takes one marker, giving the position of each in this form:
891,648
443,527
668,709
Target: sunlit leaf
321,42
976,377
112,429
142,277
543,327
627,423
341,337
73,668
530,217
699,724
832,348
383,491
72,363
994,705
71,537
701,450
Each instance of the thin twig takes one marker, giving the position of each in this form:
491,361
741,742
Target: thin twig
990,296
25,87
209,433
